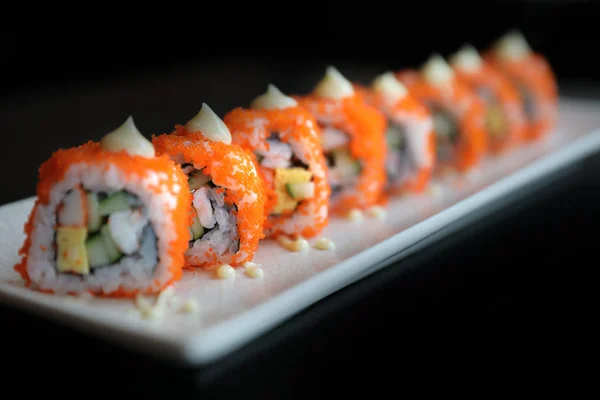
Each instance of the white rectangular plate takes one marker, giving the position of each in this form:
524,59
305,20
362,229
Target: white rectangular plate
232,312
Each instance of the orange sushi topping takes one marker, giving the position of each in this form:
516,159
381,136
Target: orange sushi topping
398,110
507,96
467,107
135,167
230,167
534,73
250,129
366,127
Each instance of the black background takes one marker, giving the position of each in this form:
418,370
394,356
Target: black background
505,295
76,81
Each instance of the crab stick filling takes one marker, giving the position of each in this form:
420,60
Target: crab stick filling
99,229
214,218
292,179
344,169
282,162
283,141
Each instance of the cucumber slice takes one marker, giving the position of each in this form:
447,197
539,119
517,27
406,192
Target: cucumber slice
118,201
113,252
71,212
96,252
445,125
301,191
94,217
395,136
197,180
197,229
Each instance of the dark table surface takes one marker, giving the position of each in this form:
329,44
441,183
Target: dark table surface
503,291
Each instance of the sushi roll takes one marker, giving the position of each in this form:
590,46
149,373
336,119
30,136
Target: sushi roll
505,119
458,114
110,219
410,138
284,142
532,75
228,199
353,142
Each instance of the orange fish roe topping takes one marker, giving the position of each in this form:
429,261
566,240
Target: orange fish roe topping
169,179
407,110
465,105
366,127
231,168
250,129
507,96
534,73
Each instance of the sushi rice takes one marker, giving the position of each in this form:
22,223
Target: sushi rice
149,246
226,217
284,144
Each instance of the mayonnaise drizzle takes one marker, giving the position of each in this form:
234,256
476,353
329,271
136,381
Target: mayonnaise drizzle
299,244
512,46
467,59
210,125
388,86
127,137
436,70
324,244
273,98
334,85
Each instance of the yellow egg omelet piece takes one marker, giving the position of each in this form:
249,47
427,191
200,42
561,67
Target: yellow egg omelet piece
284,176
71,253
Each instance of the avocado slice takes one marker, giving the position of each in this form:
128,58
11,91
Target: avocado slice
495,122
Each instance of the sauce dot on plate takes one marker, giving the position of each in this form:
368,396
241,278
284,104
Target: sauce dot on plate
254,272
190,307
299,244
435,190
355,215
377,212
225,271
324,244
